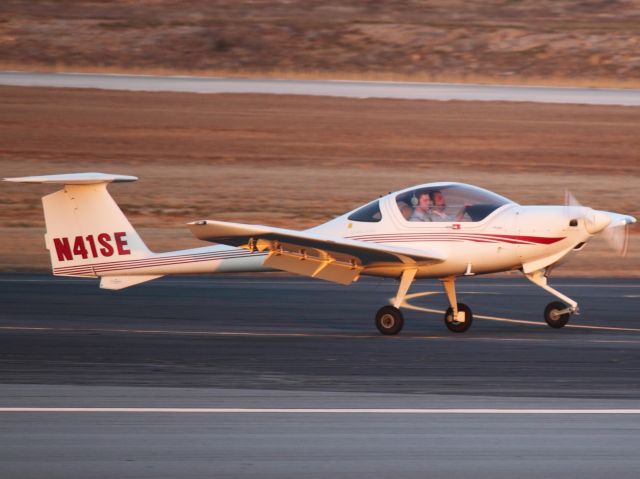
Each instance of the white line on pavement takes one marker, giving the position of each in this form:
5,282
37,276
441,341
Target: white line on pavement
406,305
165,410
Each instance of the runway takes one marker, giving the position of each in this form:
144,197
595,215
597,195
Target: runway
336,88
274,376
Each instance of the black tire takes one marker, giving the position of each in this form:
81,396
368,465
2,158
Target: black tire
456,326
389,320
552,317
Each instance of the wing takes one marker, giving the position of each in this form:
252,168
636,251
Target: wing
333,259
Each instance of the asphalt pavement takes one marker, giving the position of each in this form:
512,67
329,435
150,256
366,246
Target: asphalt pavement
272,376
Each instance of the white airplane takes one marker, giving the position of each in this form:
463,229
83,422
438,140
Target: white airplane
435,230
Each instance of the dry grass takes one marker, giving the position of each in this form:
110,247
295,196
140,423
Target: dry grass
297,161
573,42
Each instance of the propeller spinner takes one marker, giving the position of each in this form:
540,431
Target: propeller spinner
613,226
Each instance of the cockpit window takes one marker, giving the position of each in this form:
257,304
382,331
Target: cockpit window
448,203
369,213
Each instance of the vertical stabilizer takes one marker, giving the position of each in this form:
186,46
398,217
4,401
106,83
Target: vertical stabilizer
85,226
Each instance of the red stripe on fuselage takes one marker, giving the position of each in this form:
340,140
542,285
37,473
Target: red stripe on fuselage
464,236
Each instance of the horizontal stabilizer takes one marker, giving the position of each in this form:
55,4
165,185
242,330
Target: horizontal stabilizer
121,282
74,179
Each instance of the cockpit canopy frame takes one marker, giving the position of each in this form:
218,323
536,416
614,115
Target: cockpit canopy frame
447,202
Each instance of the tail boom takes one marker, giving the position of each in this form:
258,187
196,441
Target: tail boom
210,259
207,260
88,235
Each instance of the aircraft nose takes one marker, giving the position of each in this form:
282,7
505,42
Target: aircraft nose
596,221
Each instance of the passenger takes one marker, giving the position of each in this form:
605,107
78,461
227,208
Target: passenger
405,209
421,211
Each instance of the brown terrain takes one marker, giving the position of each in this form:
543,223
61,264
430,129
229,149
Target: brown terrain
297,161
594,42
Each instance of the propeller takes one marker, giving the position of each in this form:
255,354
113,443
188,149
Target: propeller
613,226
617,233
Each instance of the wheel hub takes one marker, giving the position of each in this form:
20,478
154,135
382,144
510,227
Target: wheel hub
388,321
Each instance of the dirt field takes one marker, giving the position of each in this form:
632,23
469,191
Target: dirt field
297,161
535,41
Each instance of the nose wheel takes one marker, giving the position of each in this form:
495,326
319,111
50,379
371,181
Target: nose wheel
389,320
557,314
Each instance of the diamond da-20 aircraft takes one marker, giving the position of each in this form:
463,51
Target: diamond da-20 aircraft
435,230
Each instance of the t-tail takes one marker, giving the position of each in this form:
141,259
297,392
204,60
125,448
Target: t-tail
88,235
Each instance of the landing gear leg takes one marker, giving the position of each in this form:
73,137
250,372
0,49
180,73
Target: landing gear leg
389,319
458,317
556,314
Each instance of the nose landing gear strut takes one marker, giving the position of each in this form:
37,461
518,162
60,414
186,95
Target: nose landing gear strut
556,314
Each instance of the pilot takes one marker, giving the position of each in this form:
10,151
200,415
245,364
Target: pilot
438,211
421,211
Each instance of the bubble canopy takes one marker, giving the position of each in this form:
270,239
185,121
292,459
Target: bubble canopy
448,202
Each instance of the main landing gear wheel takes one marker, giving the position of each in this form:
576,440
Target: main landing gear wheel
458,326
554,317
389,320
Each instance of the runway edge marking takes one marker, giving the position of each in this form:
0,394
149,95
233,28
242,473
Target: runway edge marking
160,410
